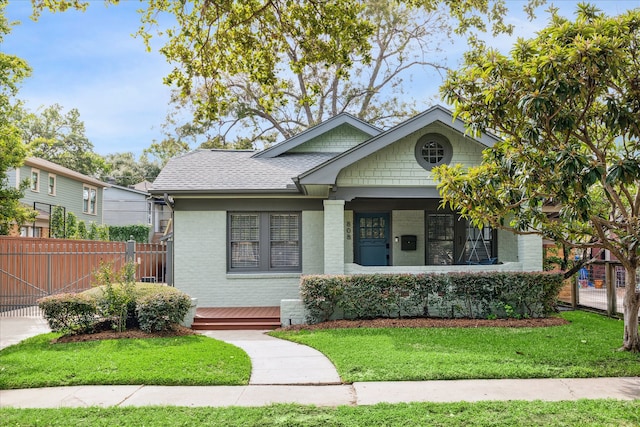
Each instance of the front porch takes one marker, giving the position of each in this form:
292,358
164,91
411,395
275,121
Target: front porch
390,235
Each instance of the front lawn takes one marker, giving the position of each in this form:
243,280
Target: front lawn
587,347
183,360
580,413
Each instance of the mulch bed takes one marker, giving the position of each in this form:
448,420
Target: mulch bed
128,333
433,323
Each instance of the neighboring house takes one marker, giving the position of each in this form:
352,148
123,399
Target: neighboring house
126,206
342,197
161,213
53,185
135,206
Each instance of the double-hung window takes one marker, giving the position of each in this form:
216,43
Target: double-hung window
51,189
35,180
264,241
89,200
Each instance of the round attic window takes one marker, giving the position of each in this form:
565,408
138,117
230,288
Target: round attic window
433,150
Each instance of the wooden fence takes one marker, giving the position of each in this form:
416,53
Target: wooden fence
31,268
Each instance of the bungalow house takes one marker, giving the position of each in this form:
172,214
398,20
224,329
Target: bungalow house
342,197
53,185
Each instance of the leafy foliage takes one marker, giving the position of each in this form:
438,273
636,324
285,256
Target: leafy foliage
403,40
58,226
163,310
122,233
82,230
12,71
72,225
125,170
567,105
69,313
118,301
272,69
477,295
60,138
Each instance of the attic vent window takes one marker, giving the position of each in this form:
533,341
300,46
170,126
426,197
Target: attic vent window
433,150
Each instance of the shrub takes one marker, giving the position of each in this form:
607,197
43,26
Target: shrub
69,313
117,302
473,295
162,310
321,295
122,233
82,230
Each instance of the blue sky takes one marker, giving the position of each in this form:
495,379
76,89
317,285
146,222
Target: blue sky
90,61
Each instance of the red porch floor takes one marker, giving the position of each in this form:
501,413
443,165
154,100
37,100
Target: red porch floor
217,318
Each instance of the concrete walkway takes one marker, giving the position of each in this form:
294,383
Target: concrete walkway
279,362
285,372
15,329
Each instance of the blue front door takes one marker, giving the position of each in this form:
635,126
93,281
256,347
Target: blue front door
372,238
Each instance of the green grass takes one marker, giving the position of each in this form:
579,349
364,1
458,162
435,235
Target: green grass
583,413
185,360
587,347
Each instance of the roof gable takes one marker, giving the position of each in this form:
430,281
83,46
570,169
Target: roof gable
42,164
323,128
327,172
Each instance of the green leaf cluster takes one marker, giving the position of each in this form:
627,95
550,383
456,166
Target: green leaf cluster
12,71
69,313
477,295
122,233
567,106
118,301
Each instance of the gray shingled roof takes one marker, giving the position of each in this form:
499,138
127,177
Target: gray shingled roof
229,171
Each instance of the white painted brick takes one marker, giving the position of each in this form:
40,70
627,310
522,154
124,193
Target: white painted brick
292,312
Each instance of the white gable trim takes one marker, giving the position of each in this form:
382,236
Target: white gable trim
318,130
327,172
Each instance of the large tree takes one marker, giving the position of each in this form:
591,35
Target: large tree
405,41
125,170
12,150
59,137
243,61
567,105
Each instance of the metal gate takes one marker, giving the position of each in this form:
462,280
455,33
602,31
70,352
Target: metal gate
32,268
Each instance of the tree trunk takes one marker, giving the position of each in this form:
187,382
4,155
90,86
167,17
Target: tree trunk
631,305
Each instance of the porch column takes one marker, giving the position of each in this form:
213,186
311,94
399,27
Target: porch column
334,237
530,252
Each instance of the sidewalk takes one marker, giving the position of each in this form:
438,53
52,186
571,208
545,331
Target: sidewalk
285,372
326,395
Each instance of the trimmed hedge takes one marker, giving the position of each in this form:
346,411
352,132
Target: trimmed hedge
122,233
152,307
161,311
69,313
473,295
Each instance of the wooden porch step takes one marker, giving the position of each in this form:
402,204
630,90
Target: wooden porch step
236,318
234,326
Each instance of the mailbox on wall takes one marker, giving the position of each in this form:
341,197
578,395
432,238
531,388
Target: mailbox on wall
408,243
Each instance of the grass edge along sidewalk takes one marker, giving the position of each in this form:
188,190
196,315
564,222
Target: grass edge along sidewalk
582,412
